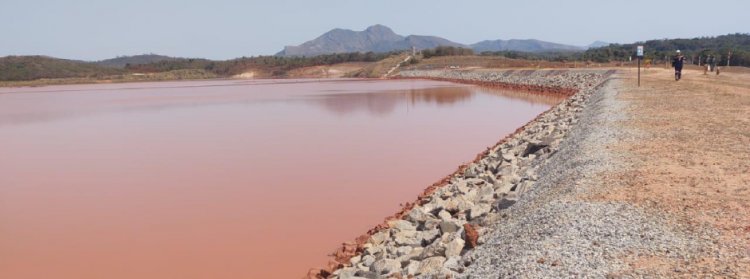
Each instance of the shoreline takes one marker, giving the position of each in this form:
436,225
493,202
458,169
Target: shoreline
532,89
498,175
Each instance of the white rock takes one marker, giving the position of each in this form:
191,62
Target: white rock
430,235
431,266
453,263
380,237
449,227
454,247
368,260
409,238
347,273
444,215
403,250
412,268
479,210
385,266
402,225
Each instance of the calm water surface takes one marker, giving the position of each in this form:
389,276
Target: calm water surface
224,179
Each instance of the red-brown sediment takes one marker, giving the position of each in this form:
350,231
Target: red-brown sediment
343,254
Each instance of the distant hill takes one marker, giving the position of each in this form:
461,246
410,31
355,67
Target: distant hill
122,61
598,44
379,38
376,38
522,45
719,46
36,67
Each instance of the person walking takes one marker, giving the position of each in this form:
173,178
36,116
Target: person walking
677,62
707,65
714,61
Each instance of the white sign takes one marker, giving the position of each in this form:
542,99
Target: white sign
640,51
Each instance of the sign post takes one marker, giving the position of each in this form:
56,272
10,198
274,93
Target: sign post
639,53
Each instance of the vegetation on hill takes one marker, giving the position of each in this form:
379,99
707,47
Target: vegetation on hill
38,67
446,51
658,50
560,56
123,61
276,65
655,50
25,68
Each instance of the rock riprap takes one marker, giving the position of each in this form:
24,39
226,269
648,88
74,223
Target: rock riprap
431,238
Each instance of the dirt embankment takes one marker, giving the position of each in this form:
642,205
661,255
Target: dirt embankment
653,182
328,71
432,236
692,161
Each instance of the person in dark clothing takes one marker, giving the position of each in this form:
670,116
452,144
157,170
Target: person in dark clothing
677,62
713,63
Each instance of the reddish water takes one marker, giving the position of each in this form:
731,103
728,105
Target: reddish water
224,179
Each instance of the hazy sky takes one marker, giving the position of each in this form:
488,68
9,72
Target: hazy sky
222,29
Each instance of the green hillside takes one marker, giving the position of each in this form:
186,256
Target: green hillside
276,66
720,46
37,67
26,68
123,61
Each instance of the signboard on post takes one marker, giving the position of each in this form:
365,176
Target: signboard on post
639,53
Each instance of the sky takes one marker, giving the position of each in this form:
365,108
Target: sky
224,29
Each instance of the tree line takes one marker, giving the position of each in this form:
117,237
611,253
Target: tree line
446,51
276,65
693,49
20,68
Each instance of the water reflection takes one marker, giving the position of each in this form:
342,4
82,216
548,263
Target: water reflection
383,103
526,96
386,102
342,97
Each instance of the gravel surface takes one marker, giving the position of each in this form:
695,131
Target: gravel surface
556,231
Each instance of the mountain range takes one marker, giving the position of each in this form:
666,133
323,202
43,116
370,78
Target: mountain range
380,38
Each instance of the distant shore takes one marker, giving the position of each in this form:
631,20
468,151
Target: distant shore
123,78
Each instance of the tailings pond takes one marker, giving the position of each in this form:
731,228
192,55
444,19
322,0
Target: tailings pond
225,178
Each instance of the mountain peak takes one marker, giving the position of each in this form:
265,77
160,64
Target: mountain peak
376,38
380,38
379,28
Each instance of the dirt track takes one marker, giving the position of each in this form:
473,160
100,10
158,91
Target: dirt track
691,160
